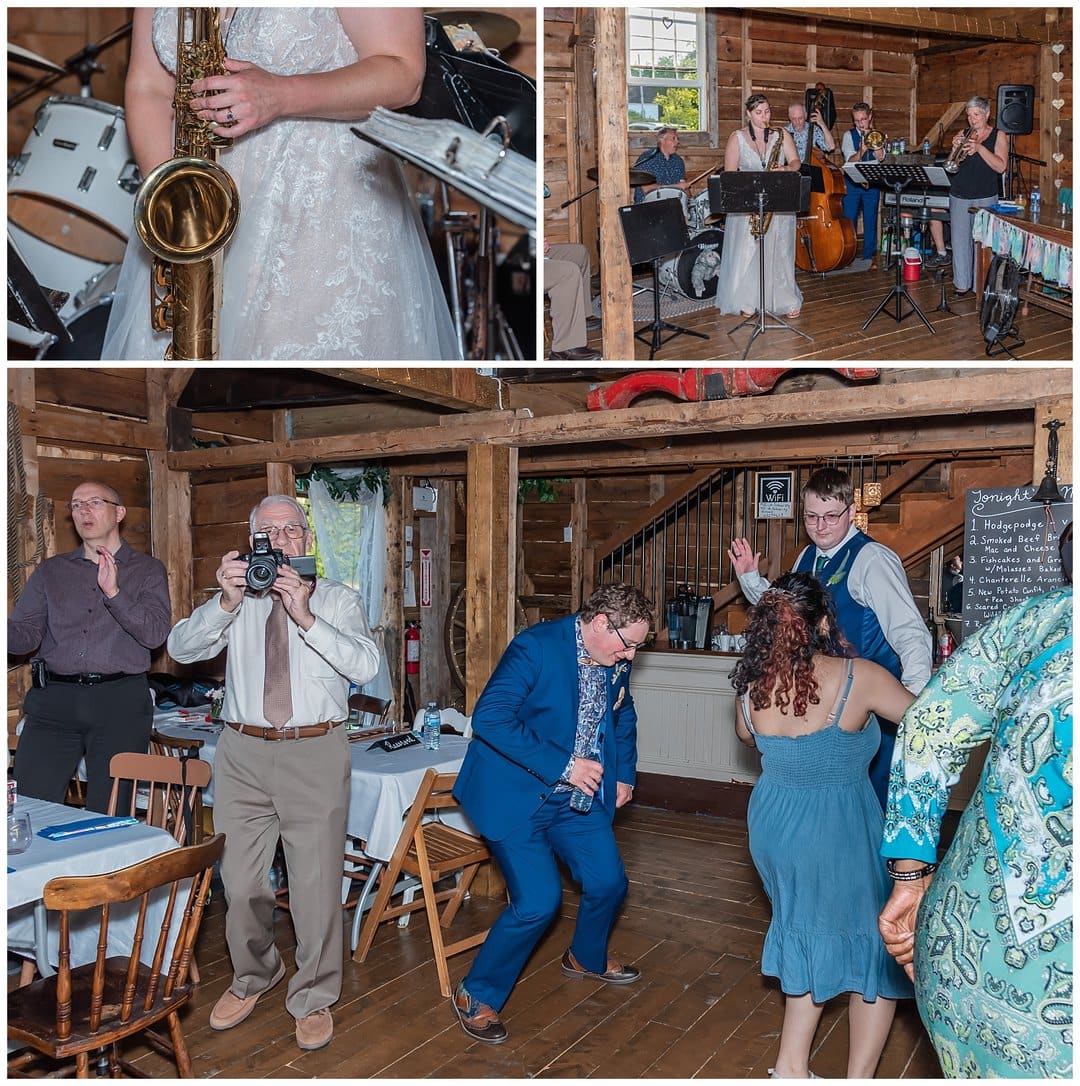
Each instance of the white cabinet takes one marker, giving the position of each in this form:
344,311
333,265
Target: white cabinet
686,717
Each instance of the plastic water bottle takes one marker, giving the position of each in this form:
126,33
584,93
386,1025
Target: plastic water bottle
432,724
926,147
580,801
1034,203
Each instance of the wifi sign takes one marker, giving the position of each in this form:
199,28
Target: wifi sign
775,495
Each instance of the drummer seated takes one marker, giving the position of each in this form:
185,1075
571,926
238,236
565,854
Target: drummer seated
663,163
567,281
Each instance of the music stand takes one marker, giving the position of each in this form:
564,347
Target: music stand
779,192
897,176
31,305
652,231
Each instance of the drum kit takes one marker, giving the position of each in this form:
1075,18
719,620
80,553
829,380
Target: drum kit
71,192
693,272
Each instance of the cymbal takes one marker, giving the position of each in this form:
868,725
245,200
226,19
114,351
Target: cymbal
495,30
637,177
18,55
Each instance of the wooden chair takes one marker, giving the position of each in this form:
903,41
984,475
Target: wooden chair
373,711
430,851
97,1005
172,788
186,750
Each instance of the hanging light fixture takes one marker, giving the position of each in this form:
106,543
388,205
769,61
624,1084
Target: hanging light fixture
871,494
861,521
1048,492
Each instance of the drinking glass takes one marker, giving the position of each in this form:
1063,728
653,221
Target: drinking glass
20,833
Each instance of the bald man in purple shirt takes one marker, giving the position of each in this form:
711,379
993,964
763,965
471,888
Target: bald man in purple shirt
92,616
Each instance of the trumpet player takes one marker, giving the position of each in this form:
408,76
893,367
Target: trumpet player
983,153
856,148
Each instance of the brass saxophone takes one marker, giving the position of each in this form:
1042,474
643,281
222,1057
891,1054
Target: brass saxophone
760,227
187,208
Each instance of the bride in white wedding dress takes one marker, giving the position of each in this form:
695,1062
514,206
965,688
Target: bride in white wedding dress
329,259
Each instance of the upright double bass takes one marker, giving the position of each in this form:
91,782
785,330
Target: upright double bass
826,239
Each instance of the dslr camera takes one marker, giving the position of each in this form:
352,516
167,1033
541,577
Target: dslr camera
264,561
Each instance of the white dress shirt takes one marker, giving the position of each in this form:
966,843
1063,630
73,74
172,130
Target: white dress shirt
338,648
876,580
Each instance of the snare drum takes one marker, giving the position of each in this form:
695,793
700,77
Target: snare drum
669,193
73,185
699,212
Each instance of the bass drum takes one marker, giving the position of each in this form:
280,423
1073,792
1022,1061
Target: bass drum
694,272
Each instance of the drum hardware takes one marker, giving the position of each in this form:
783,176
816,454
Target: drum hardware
82,64
1001,297
638,177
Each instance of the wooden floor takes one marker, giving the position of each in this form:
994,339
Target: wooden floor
694,921
834,310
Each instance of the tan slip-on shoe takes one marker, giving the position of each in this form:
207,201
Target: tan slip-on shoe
315,1030
230,1010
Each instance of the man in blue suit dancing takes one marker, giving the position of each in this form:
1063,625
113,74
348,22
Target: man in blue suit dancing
553,756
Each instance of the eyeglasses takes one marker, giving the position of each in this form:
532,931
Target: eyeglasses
831,519
625,644
292,531
93,504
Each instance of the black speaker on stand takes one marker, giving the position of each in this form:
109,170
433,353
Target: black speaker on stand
1015,116
653,230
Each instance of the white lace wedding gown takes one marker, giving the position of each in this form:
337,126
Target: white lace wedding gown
737,289
329,260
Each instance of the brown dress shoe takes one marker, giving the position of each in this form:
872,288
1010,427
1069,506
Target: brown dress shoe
616,972
230,1010
315,1030
477,1019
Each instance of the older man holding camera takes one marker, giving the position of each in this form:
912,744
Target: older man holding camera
282,763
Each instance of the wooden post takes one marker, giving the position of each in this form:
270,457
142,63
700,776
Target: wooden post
579,527
280,479
1045,410
616,285
489,566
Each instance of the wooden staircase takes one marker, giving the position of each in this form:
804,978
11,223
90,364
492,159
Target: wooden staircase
930,518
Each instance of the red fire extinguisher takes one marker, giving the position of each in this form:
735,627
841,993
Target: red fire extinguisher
412,648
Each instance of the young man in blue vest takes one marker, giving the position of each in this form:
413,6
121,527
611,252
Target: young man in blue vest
553,754
857,198
868,584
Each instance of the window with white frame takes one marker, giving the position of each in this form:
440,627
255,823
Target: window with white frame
666,69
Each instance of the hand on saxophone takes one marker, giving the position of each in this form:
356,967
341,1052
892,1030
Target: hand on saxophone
248,97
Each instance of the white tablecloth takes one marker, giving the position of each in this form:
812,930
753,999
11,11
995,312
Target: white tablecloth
383,784
94,854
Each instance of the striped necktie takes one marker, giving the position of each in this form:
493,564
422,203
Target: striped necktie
277,689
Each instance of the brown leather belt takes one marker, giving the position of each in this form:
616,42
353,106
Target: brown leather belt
292,731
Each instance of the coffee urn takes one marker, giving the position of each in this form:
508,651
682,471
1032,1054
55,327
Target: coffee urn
688,616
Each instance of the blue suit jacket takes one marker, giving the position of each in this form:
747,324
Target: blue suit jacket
524,726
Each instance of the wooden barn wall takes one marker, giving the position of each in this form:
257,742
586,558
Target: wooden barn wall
908,82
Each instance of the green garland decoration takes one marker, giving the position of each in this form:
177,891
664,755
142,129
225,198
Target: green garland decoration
543,490
371,479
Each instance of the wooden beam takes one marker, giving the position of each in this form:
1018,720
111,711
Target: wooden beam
1008,390
616,284
929,21
489,563
450,386
71,426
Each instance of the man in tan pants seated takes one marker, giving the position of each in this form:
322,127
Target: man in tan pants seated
567,275
282,767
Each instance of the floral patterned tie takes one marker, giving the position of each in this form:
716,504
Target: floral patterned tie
277,689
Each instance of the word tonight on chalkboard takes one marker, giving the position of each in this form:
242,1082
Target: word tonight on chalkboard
1010,549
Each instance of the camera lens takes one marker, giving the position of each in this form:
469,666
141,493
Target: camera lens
261,573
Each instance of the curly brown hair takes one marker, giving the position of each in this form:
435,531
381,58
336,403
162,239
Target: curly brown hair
792,622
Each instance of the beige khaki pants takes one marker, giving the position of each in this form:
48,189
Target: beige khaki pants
297,789
566,280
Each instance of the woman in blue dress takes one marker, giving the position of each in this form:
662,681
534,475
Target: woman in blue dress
988,937
815,824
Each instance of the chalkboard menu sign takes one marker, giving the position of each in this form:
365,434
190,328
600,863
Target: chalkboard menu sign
1010,550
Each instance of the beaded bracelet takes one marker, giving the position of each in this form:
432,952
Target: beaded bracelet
909,876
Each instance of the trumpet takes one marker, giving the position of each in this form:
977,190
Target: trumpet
958,154
874,139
